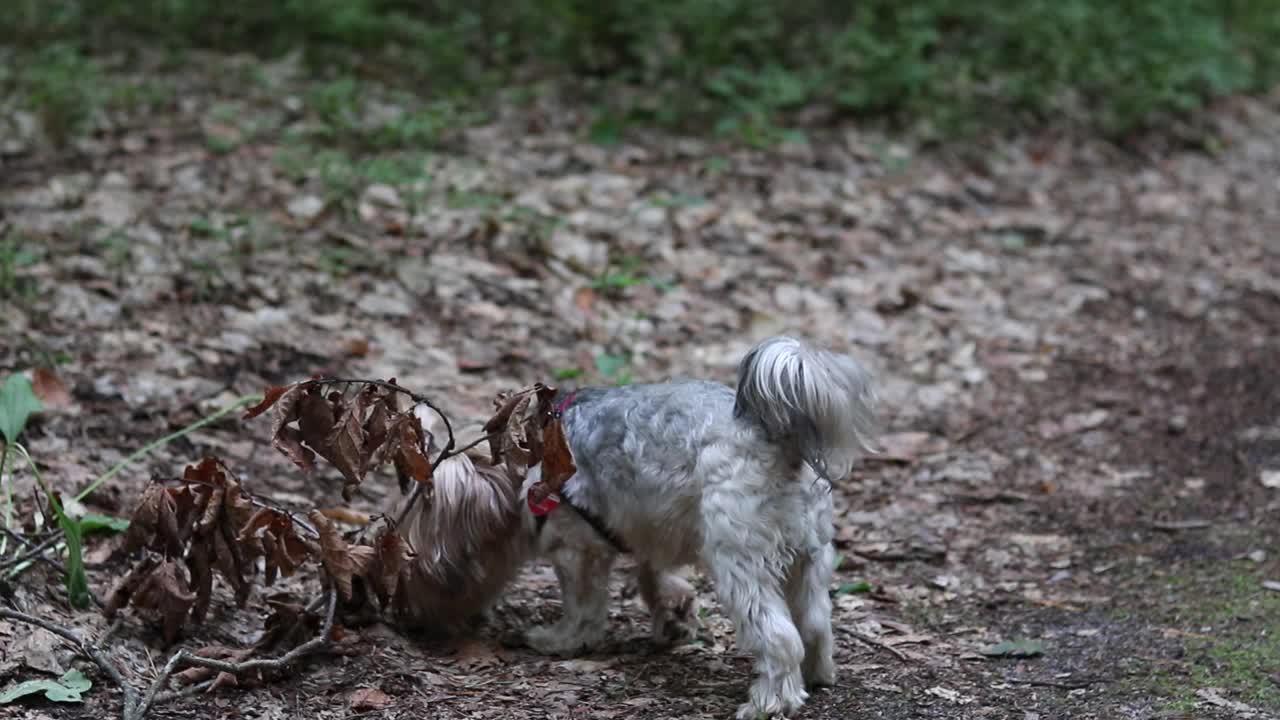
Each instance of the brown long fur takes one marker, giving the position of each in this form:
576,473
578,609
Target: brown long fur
465,556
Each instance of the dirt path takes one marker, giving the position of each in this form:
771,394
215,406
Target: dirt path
1077,349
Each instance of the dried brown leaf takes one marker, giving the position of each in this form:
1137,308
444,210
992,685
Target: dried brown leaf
286,439
344,445
291,552
202,579
369,699
50,388
341,560
165,591
557,460
237,508
212,509
145,520
269,398
124,590
229,565
375,431
410,462
395,560
315,417
289,442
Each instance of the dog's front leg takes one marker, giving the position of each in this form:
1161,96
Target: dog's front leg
583,571
807,582
672,602
753,598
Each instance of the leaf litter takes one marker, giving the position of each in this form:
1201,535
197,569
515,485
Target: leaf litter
1023,320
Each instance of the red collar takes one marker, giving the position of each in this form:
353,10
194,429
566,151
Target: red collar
564,403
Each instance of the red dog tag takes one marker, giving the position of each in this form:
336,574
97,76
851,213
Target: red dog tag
540,501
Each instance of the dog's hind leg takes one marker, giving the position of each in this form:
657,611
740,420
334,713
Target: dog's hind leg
672,603
753,598
582,567
810,606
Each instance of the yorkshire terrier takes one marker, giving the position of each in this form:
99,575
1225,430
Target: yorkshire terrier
674,473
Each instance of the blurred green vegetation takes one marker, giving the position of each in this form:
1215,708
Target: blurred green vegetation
736,66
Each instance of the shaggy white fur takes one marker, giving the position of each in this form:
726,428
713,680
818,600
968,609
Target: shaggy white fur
681,473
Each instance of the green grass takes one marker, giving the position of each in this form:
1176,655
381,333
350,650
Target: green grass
1233,627
17,252
739,67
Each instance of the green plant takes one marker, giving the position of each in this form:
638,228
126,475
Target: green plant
17,404
625,274
614,367
64,88
15,254
741,66
67,688
566,373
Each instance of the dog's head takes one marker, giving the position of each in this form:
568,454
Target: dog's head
468,542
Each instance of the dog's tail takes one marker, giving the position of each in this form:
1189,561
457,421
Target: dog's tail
817,403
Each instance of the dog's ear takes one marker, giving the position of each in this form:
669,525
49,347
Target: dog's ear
468,543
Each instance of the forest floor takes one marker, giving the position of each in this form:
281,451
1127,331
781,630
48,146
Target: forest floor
1076,346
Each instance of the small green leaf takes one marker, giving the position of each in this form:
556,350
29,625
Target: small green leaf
566,373
93,522
77,581
1015,648
610,365
17,403
67,688
839,562
861,586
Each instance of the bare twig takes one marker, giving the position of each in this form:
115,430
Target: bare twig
1177,525
880,644
136,708
1061,685
417,398
33,550
474,443
182,657
449,446
37,553
186,692
89,650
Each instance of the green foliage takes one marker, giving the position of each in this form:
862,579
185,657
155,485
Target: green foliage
17,404
859,586
614,368
67,688
739,66
16,253
63,86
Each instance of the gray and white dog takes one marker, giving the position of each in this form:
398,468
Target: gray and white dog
676,473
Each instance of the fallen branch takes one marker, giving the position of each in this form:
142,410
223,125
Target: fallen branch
1057,684
33,551
136,708
90,651
1178,525
879,644
153,695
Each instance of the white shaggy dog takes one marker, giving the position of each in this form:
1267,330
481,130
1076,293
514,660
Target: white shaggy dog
676,473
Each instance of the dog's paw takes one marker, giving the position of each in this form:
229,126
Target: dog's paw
774,701
550,640
676,624
819,672
775,707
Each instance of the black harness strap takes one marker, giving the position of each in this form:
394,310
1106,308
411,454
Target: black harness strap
593,520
